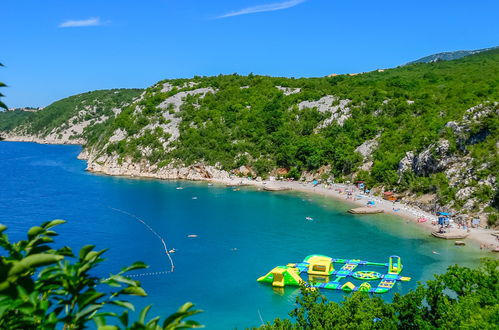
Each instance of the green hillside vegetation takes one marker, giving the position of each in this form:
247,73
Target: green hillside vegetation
57,115
46,288
260,127
12,119
223,127
247,121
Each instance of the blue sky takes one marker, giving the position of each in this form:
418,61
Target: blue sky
55,48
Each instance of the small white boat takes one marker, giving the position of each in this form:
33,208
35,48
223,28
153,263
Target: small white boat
179,188
309,218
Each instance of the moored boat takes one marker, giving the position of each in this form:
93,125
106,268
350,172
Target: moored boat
267,188
450,235
365,210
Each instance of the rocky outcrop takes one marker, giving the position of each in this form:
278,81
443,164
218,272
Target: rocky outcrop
366,150
329,104
174,102
113,165
463,130
457,165
433,159
245,171
288,90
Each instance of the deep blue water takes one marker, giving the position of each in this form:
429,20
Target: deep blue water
241,234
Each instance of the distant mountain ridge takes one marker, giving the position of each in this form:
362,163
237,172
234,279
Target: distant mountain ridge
449,56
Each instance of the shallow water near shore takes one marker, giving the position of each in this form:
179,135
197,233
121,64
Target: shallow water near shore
241,235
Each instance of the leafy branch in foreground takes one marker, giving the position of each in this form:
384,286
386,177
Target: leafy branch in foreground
462,298
2,105
41,287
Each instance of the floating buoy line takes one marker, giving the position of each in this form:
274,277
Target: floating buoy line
151,274
158,236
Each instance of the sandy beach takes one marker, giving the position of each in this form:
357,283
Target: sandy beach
479,236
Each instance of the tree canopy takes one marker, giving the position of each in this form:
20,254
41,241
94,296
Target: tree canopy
461,298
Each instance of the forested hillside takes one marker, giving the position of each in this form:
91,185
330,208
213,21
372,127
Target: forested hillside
12,119
425,129
67,119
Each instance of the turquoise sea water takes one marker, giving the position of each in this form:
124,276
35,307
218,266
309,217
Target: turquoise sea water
241,234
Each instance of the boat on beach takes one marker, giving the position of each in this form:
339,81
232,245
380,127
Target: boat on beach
451,235
365,210
267,188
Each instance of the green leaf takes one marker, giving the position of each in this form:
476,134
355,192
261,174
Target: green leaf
152,322
89,297
35,231
17,268
108,327
4,286
53,223
65,251
183,312
122,279
99,320
134,266
134,291
40,259
87,311
85,250
2,228
124,304
94,255
143,313
124,318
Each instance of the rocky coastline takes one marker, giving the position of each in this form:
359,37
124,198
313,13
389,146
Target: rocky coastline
113,166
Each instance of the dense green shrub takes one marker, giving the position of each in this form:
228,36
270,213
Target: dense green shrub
45,288
462,298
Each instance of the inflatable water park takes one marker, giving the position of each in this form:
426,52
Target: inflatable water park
320,269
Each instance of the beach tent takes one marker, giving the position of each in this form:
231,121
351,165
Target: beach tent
443,213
